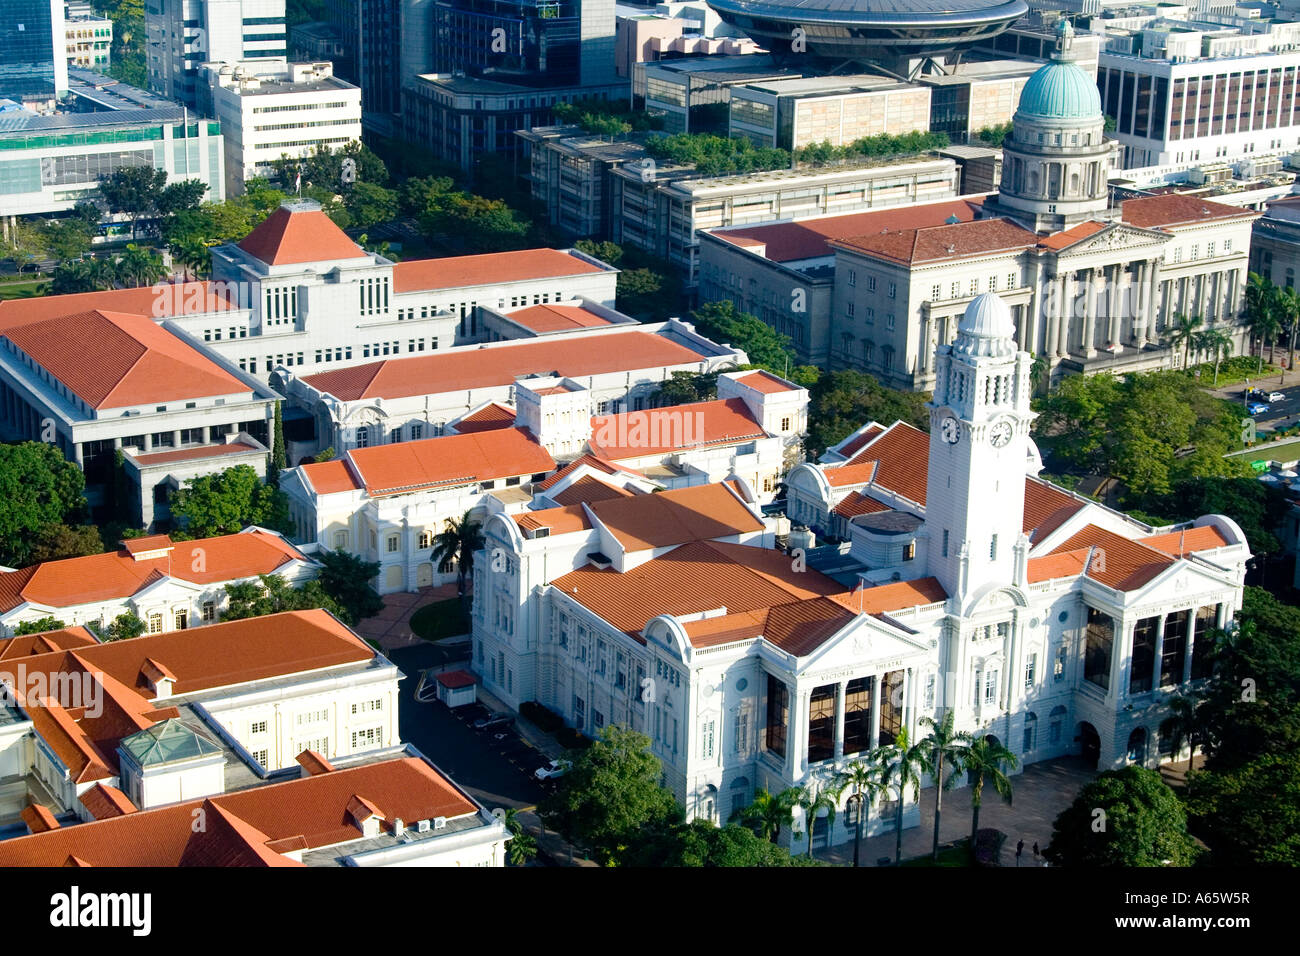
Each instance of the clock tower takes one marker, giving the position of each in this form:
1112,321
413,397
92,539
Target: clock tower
979,444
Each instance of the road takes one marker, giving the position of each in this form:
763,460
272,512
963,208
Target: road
1281,413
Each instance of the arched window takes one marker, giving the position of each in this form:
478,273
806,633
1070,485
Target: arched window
1031,732
1137,746
1074,184
363,436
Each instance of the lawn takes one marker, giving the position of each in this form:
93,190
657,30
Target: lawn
22,289
441,619
1287,451
956,855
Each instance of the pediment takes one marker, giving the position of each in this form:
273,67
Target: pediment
868,644
1116,236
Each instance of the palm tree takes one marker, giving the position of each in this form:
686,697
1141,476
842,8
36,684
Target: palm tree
456,545
984,760
1182,334
1183,725
949,746
1261,312
864,779
768,813
813,802
1217,342
523,845
1288,307
1040,373
138,266
903,766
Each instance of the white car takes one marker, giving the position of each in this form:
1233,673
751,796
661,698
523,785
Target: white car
1276,397
556,768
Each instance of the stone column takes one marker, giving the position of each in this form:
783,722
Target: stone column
1066,318
1055,306
1121,656
1159,652
799,732
1087,345
1118,290
1189,645
875,711
839,718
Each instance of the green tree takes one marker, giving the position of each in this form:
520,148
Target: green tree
608,252
181,196
686,387
347,578
1141,823
228,501
39,626
765,346
1216,342
640,293
1182,333
67,239
700,844
122,628
1249,816
57,541
984,759
138,267
455,546
523,845
844,400
945,746
769,812
134,191
1262,310
271,594
821,801
38,488
278,461
610,796
864,781
370,204
1288,310
902,764
994,135
1183,726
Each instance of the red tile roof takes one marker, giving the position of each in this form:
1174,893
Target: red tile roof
305,813
557,318
136,361
766,382
1062,564
226,841
694,578
588,488
902,454
39,819
454,680
490,416
292,236
897,596
497,365
791,241
562,520
1187,541
661,520
936,243
427,275
313,763
854,445
158,301
658,431
196,454
28,645
1046,508
1150,212
851,474
330,477
1116,561
105,802
116,575
599,464
859,504
450,460
1068,237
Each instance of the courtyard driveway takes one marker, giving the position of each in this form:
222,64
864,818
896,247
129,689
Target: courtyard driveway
1039,794
391,627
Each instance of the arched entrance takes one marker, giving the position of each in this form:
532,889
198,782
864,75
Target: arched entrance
1137,747
424,575
1089,744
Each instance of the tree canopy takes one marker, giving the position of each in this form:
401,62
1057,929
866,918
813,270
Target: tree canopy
271,594
228,501
765,346
346,578
1125,817
39,489
843,401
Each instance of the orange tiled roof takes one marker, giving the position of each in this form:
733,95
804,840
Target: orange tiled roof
449,460
330,477
598,463
851,473
1062,564
31,644
859,504
115,574
490,416
791,241
896,596
136,361
658,431
853,446
935,243
562,520
902,454
225,841
588,488
105,802
195,454
468,368
1149,212
699,513
1116,561
164,299
304,813
1046,508
427,275
291,237
556,318
1068,237
1187,541
764,381
314,763
696,577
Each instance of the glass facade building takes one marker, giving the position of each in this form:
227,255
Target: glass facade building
32,57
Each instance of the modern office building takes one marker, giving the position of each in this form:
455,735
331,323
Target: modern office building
673,30
568,170
691,95
838,110
185,34
33,56
50,162
269,111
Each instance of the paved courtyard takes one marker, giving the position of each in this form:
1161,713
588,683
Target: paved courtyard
391,627
1041,792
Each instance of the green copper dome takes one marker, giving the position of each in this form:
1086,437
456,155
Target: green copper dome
1061,91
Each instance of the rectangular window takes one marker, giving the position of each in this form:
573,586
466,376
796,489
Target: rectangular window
778,715
209,611
1058,666
1031,736
945,542
1101,642
1173,650
707,730
990,687
857,715
742,733
1031,671
1206,620
1144,653
257,727
821,723
993,548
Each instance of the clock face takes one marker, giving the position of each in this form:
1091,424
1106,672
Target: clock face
1000,434
950,431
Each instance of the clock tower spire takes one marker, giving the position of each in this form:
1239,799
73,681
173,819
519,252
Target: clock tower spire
979,448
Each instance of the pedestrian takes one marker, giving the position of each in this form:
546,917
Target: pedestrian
1035,850
1020,849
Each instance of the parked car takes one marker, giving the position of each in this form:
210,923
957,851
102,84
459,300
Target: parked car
556,768
496,720
1257,408
1276,397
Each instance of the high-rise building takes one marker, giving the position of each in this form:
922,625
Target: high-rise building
185,34
33,62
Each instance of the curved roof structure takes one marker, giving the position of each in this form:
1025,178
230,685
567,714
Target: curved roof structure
869,29
1061,91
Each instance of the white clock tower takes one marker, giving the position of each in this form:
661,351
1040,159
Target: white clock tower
979,442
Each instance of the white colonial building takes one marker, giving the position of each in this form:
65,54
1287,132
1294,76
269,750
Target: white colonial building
1041,619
